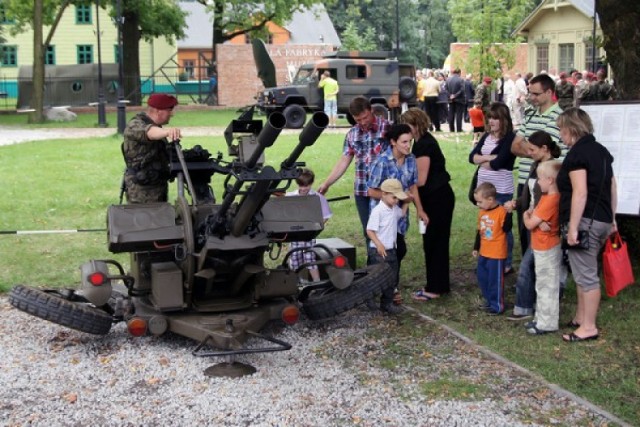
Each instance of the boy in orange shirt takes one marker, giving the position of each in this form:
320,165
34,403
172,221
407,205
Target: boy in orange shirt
477,121
547,253
491,246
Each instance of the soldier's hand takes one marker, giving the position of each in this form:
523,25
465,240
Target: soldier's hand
173,134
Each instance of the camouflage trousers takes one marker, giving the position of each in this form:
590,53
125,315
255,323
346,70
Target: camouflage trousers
137,193
547,265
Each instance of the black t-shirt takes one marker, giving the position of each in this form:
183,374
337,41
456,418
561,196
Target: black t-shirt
438,175
589,155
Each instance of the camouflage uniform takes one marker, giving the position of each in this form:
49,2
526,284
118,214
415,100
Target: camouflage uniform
599,91
147,161
564,92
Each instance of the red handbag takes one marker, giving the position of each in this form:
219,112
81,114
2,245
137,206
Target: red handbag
616,265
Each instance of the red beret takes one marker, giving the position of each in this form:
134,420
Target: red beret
487,80
563,75
162,101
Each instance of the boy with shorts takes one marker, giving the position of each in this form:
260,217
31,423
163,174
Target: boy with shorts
477,121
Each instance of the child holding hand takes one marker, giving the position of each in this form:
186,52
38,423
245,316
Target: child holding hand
544,223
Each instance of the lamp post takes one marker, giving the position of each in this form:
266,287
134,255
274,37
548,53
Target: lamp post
102,116
381,37
397,28
593,37
122,118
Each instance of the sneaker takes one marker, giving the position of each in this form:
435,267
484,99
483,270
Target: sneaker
530,325
535,331
519,316
391,309
494,313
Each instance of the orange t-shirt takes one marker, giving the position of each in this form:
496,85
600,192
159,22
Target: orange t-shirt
548,211
477,117
493,239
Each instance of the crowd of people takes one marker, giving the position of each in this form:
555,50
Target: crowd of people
565,182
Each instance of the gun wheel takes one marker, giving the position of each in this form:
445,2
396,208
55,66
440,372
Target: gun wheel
71,310
369,282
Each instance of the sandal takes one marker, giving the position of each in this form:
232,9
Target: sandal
420,296
573,324
575,338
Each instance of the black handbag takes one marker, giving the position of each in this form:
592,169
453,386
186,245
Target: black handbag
472,187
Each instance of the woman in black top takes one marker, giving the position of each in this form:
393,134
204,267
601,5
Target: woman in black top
438,201
588,201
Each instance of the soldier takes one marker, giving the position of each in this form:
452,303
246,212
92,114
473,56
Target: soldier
145,151
600,89
483,96
565,92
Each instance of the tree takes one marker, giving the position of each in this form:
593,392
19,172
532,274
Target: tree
621,40
487,25
232,18
145,19
353,39
36,14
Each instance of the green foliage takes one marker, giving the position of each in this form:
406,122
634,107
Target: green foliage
156,18
431,48
353,39
487,25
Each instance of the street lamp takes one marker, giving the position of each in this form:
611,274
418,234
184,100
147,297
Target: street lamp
122,118
397,28
381,37
102,116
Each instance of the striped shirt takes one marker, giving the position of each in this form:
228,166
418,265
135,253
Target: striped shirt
502,179
365,146
535,120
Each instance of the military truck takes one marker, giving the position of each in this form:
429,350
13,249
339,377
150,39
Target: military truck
385,81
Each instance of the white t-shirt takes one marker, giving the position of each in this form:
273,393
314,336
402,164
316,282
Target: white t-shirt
384,221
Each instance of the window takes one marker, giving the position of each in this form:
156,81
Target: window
588,57
83,14
50,55
356,72
188,66
9,56
85,54
4,19
566,61
542,58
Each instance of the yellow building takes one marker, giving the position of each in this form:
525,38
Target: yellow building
560,36
74,42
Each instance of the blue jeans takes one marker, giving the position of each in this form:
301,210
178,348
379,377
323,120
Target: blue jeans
362,205
502,198
526,285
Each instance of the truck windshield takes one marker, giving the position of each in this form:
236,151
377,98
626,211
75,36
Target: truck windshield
304,75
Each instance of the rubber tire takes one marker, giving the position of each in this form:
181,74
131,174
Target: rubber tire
54,308
295,116
408,88
380,110
373,280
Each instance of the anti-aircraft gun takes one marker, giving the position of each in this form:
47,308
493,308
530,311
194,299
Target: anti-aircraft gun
197,268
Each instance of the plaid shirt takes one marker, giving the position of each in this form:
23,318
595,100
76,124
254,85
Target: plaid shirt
365,147
386,167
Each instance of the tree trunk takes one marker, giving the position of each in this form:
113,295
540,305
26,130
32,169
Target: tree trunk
619,23
37,97
131,66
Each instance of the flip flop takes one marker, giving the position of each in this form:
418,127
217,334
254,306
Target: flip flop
574,338
420,296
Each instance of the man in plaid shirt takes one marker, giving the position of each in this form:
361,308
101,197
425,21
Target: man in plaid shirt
364,141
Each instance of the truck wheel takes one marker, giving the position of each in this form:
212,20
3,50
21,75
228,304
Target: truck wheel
54,307
380,110
407,88
295,116
368,283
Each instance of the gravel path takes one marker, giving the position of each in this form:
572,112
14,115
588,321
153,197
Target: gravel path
348,371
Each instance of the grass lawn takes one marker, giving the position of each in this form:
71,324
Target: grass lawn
67,184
